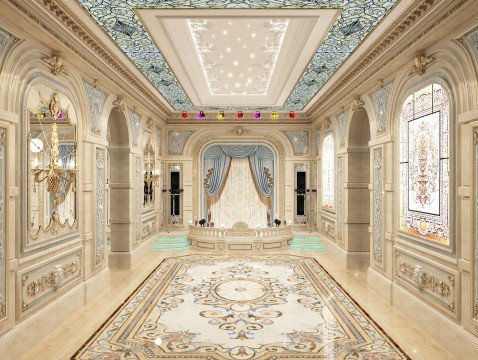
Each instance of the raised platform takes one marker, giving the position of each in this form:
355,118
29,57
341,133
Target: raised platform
239,238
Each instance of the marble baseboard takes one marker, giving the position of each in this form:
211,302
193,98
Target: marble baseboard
380,284
129,259
32,330
458,341
96,284
351,260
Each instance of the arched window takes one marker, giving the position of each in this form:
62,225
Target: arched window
424,164
328,172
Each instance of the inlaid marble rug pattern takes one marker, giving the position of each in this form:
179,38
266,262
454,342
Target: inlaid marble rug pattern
240,307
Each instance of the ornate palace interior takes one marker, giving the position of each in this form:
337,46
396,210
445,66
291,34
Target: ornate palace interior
239,179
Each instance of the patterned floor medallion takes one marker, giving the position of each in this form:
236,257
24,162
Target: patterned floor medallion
241,308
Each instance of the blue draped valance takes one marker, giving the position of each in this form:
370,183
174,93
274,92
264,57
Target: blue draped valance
216,161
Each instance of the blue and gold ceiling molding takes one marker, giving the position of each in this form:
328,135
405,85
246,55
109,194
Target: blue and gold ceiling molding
356,20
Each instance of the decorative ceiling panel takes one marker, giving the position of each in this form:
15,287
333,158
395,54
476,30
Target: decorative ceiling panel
356,19
227,66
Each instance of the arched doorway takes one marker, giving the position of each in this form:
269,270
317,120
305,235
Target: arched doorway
357,193
118,180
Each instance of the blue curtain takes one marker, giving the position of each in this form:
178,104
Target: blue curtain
216,163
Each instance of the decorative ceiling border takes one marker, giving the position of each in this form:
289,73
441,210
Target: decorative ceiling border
355,22
412,15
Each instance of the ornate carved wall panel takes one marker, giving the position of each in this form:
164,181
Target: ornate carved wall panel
40,284
135,119
342,122
300,141
380,104
97,100
328,227
100,228
340,200
433,283
138,179
377,206
3,245
176,141
149,227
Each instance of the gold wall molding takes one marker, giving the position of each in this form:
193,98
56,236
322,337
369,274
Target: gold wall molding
40,284
328,227
357,103
431,282
242,134
56,64
119,103
421,62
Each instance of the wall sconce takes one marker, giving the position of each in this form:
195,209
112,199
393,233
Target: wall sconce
58,176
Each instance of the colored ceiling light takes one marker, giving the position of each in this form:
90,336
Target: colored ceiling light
201,115
184,115
274,115
257,115
221,115
292,115
240,115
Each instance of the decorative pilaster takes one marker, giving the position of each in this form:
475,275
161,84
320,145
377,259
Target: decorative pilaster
159,136
377,206
3,255
97,100
138,196
475,226
340,200
100,228
300,141
342,122
380,103
317,140
135,119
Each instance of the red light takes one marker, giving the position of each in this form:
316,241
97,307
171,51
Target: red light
184,115
240,115
292,115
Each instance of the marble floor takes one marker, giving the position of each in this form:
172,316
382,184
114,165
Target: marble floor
76,333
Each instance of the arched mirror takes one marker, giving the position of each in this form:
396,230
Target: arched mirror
52,159
151,177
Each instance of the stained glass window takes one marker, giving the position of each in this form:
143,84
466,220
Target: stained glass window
424,164
328,174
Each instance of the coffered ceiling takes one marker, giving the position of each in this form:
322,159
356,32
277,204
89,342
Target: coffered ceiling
230,54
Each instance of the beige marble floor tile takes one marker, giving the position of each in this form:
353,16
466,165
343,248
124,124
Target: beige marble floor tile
68,337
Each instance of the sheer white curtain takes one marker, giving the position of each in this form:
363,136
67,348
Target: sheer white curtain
239,200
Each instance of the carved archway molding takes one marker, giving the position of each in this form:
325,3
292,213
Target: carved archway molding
239,133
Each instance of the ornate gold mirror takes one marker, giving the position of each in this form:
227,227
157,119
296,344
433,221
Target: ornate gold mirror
52,159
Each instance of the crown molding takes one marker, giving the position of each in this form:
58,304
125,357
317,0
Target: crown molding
385,50
63,26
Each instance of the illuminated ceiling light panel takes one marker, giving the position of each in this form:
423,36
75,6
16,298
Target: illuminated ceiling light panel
219,45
